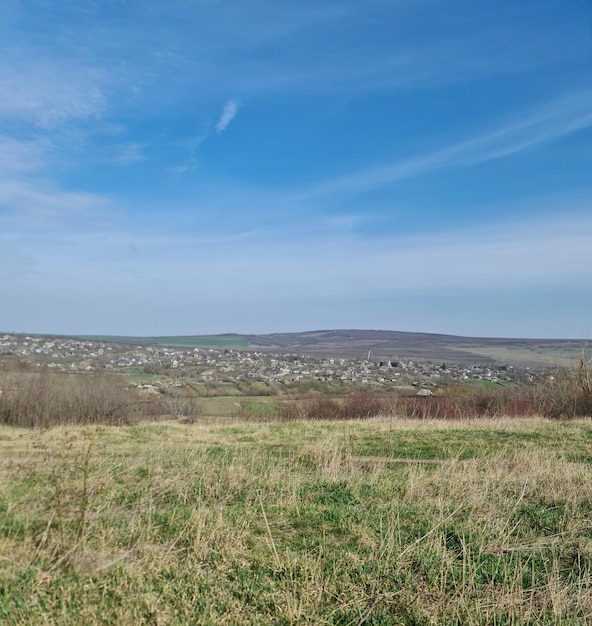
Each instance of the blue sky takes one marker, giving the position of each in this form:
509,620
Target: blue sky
209,166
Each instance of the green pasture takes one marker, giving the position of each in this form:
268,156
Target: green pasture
183,341
357,522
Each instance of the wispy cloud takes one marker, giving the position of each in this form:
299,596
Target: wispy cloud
82,87
126,266
557,250
552,121
19,156
129,153
471,43
36,205
47,93
228,114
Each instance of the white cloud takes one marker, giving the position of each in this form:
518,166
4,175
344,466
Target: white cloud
318,36
557,119
35,205
550,252
228,114
20,156
129,153
47,93
178,170
273,279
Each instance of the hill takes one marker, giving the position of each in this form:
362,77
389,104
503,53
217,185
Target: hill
384,344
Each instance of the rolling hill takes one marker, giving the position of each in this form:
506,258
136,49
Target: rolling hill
383,344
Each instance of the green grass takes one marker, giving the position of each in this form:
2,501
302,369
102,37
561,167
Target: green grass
228,406
296,523
185,341
486,384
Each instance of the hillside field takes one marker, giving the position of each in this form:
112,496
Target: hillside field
383,344
382,521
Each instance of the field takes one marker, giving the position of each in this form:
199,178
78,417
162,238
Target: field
185,341
384,345
381,521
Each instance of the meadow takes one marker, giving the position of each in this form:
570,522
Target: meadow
182,341
226,521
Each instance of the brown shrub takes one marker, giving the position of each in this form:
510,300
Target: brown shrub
289,411
363,405
181,402
44,399
432,407
318,406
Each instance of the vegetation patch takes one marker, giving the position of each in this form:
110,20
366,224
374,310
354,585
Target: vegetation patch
184,341
280,522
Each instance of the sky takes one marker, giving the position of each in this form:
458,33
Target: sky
255,166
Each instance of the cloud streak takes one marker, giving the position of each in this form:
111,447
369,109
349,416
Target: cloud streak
48,93
147,270
82,247
129,154
228,114
287,212
547,123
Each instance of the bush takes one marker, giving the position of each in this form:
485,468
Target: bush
363,405
566,396
44,399
318,406
182,405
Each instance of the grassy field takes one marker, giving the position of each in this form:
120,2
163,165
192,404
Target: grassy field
384,345
539,356
352,522
184,341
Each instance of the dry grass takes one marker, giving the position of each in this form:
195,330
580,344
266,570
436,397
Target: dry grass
285,523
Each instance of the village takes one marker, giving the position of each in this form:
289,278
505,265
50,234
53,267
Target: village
262,372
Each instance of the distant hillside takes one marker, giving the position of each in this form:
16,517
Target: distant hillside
384,344
228,340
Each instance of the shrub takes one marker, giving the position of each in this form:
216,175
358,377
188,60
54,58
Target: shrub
566,396
185,408
318,406
44,399
362,405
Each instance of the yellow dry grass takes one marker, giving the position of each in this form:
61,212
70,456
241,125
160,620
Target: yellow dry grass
234,523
